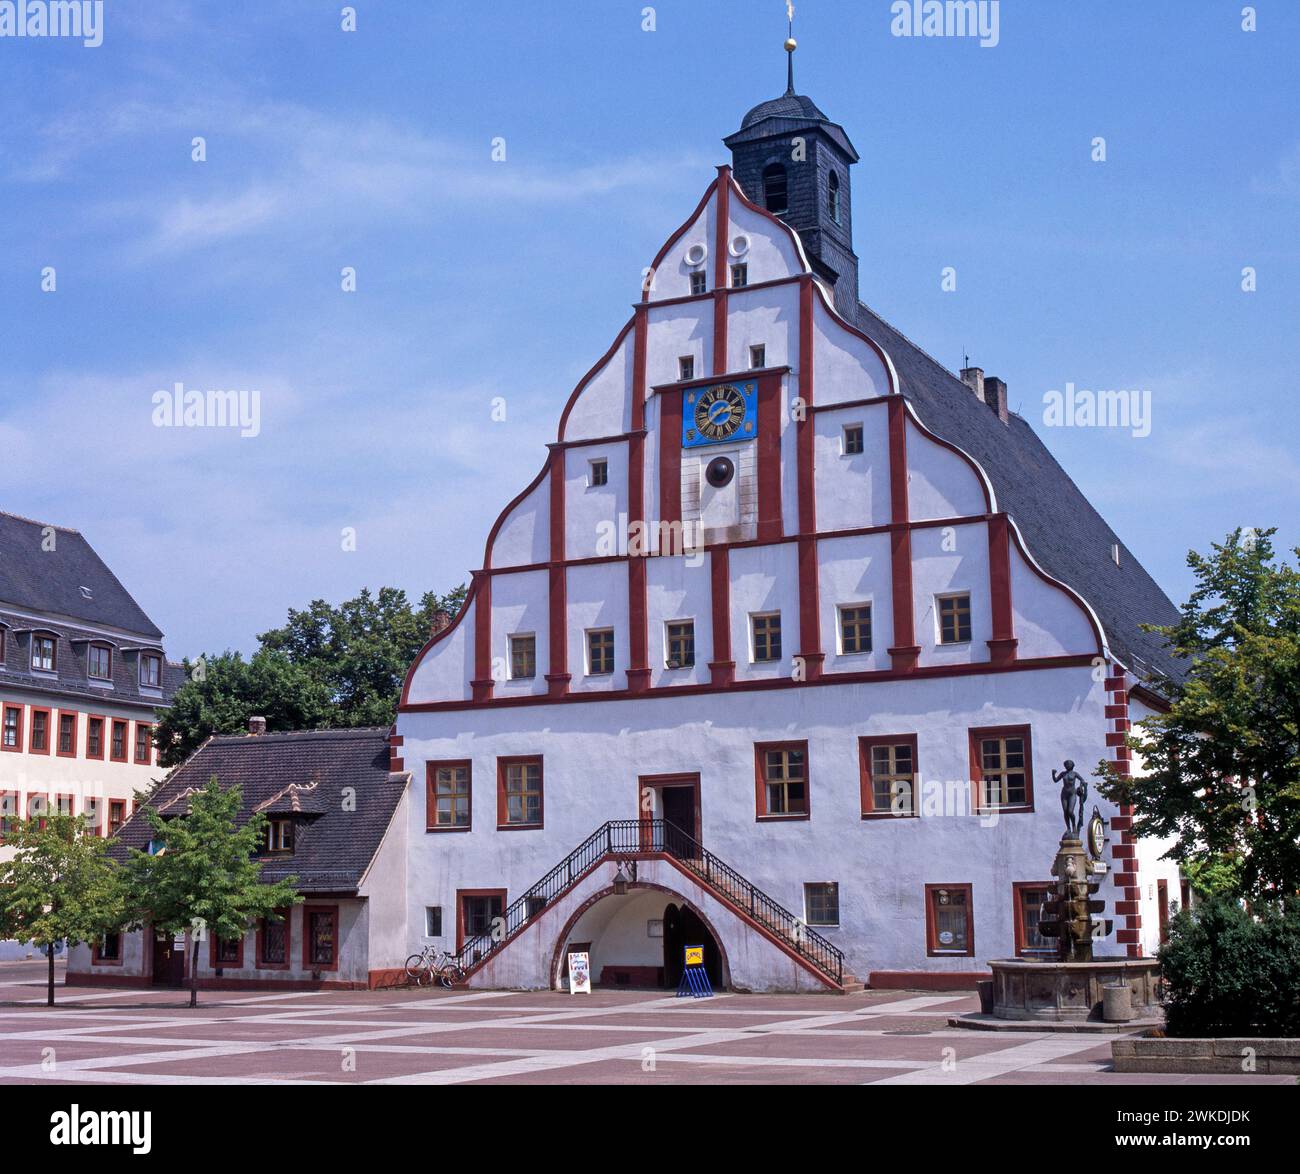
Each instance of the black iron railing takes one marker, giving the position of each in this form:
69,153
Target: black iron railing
627,837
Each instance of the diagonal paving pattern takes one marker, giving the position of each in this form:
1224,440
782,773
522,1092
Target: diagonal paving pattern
421,1037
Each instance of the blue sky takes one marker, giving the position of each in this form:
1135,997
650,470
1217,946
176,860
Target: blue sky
478,279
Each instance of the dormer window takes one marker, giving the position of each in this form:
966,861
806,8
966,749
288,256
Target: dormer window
775,190
279,835
833,197
99,662
150,671
43,654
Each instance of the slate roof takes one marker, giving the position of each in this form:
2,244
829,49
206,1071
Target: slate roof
1069,539
333,846
34,578
781,115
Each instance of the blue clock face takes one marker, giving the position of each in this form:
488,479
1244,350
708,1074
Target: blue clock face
718,414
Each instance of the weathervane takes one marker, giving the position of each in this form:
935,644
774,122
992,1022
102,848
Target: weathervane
790,46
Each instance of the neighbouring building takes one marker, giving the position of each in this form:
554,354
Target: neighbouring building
336,822
778,651
82,674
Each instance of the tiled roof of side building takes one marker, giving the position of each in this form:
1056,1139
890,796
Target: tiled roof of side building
44,568
1069,539
335,783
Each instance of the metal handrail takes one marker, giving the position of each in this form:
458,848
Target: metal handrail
630,836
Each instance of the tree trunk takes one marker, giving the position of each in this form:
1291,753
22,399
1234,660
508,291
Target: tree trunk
49,995
192,957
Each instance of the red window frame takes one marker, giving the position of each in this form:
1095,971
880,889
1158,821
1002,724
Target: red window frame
980,733
932,946
114,725
59,796
91,719
58,735
96,828
41,820
307,912
147,727
503,763
431,798
8,799
32,748
1018,918
760,782
17,747
98,959
287,921
214,959
868,793
116,813
461,894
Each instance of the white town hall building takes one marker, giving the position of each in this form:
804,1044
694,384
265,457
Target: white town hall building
785,583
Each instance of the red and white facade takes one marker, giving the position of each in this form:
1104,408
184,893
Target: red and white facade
841,499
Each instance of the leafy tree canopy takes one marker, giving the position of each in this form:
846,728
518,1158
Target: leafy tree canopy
1221,769
326,667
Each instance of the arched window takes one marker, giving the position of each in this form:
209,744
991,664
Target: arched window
833,199
775,198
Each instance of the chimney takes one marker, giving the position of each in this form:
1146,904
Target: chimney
973,377
440,623
995,395
256,725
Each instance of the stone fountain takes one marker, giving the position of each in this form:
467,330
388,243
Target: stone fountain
1068,992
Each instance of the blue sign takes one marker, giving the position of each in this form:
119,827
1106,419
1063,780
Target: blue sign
719,413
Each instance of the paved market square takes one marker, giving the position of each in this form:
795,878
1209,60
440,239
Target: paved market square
133,1037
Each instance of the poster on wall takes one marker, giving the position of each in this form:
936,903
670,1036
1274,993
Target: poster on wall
579,973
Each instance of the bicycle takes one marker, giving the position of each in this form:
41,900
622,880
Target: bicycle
430,964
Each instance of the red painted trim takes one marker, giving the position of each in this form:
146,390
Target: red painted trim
470,596
1018,916
926,980
805,434
810,629
976,734
116,816
638,671
147,727
670,458
761,812
596,368
1056,583
1002,647
676,236
504,761
260,957
646,783
766,373
905,652
871,342
932,946
722,668
333,963
34,800
768,457
877,676
557,679
482,685
59,796
867,791
58,741
17,747
847,405
214,963
430,803
113,726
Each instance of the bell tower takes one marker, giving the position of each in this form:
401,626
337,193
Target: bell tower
789,158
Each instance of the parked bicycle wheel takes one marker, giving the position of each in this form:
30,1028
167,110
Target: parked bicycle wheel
417,969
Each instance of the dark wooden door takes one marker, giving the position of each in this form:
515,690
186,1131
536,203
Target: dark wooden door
679,813
168,962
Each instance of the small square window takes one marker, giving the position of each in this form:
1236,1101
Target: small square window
433,921
767,636
523,657
698,282
599,473
855,629
519,800
954,619
681,644
739,276
853,443
783,779
600,652
821,903
279,835
757,357
686,367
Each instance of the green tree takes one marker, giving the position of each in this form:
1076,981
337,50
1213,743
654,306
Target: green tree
60,886
1222,767
204,878
326,667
